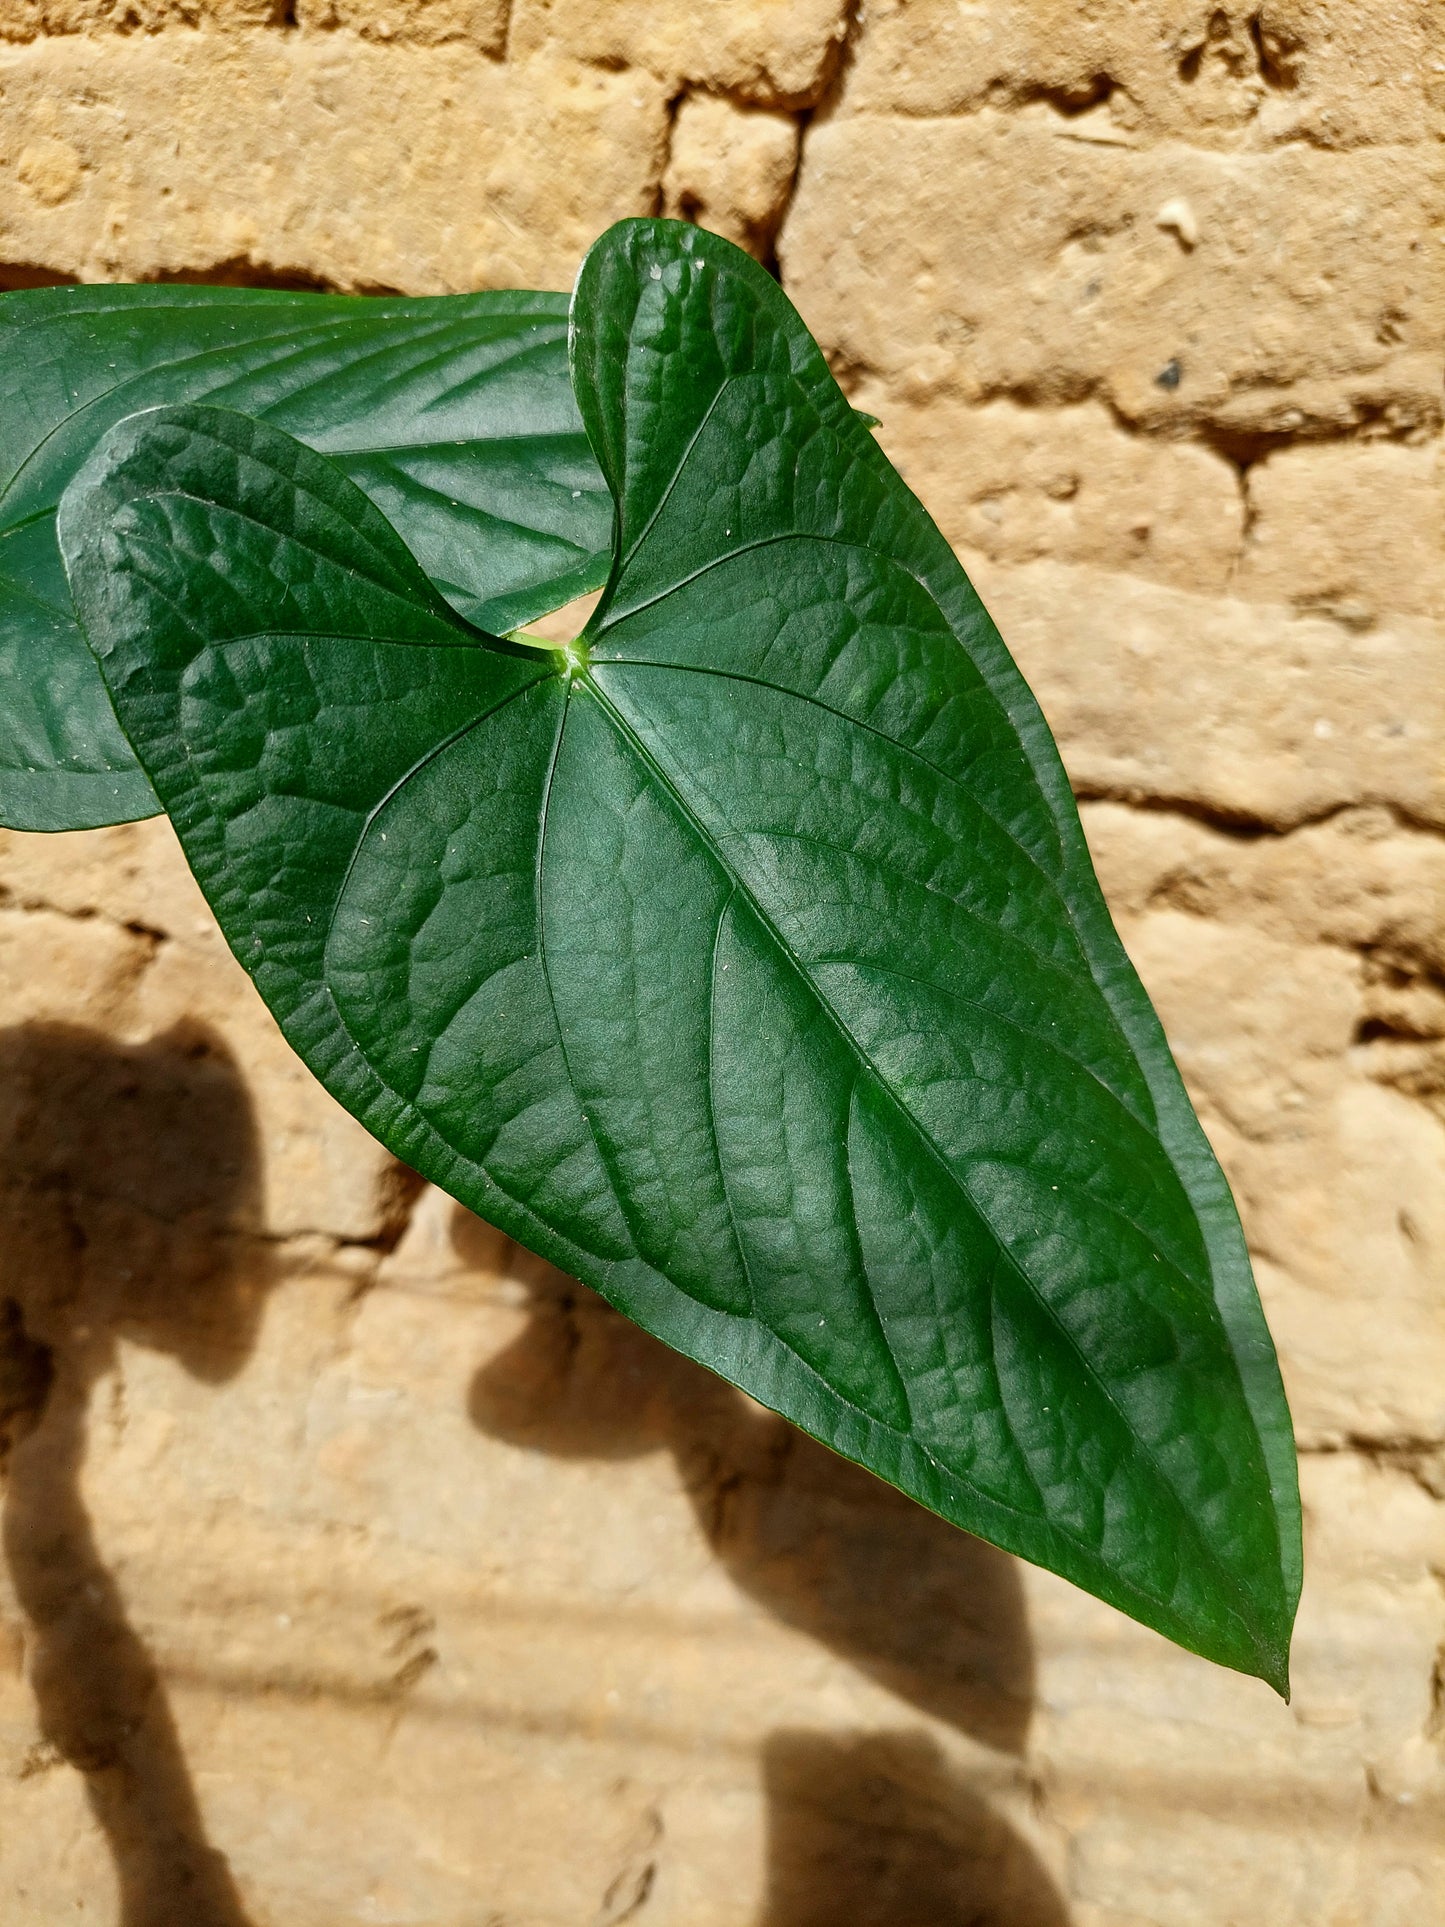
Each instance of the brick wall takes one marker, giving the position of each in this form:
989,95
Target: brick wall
362,1569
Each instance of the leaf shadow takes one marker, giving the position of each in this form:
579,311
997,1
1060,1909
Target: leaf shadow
875,1829
934,1615
129,1185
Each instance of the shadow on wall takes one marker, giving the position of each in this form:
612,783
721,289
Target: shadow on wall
875,1829
129,1182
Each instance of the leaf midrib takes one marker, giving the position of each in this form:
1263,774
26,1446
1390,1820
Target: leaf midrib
1050,1044
640,750
946,777
462,442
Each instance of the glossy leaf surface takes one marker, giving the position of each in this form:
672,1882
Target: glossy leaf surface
455,414
744,959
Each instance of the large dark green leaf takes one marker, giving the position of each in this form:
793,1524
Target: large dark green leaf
744,958
455,414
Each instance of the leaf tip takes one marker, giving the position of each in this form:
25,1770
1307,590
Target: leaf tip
1275,1671
1269,1656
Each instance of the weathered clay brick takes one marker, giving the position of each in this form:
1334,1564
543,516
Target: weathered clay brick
1068,483
184,153
1186,1803
56,966
1327,71
1361,879
730,169
27,19
480,23
1237,708
1349,529
777,53
72,958
1004,255
1281,969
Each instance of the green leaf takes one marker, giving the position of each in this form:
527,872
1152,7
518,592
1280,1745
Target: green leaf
455,415
744,958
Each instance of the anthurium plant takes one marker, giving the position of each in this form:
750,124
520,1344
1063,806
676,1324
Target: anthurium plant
743,955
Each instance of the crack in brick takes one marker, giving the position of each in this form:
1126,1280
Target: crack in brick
1420,1458
13,905
1242,824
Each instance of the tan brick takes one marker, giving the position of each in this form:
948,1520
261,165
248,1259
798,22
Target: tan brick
56,968
481,23
1350,1234
1235,707
1360,880
29,19
1352,530
127,874
418,168
1068,483
730,169
1283,968
1001,255
776,53
320,1170
1332,72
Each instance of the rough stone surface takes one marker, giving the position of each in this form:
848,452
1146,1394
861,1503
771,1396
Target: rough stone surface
775,53
480,23
1319,539
1211,75
1325,946
1019,484
1243,710
730,169
359,1567
317,158
1308,299
29,19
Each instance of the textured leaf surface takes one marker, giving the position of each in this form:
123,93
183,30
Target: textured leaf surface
454,414
744,959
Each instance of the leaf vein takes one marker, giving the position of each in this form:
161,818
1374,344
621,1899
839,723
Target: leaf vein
1136,1445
